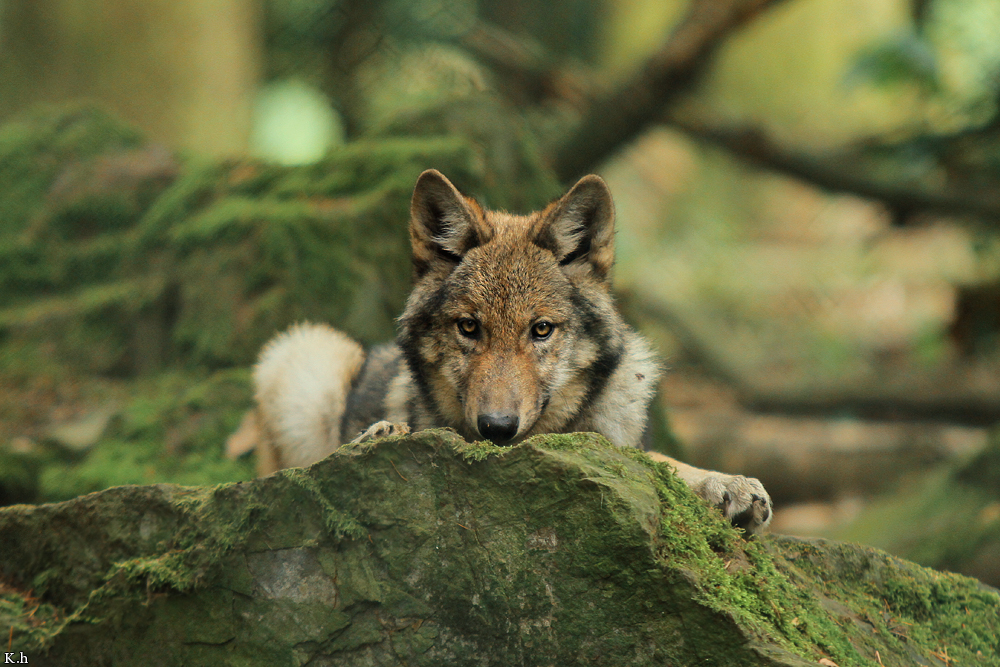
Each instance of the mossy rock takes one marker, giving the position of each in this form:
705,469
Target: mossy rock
427,550
947,517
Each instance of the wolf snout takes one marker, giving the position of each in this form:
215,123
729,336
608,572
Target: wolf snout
500,428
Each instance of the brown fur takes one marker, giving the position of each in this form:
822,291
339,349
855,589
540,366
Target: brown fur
510,331
507,273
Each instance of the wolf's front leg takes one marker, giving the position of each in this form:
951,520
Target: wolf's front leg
742,500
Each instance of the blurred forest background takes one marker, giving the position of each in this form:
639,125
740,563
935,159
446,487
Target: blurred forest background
808,195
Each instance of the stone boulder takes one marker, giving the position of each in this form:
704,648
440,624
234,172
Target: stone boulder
427,550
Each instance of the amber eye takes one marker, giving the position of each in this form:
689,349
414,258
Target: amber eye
468,327
542,330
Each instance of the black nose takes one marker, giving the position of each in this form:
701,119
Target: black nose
498,428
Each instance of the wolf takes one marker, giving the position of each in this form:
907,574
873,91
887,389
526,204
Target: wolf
510,331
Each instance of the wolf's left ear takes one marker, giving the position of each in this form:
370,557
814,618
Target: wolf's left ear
580,227
442,223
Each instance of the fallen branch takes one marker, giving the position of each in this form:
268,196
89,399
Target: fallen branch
619,116
850,171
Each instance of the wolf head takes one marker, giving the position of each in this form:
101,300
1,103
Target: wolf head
510,329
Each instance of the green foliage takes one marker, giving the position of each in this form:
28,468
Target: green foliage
903,59
34,622
171,430
36,150
983,471
497,136
127,261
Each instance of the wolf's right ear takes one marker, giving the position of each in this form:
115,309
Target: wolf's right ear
442,223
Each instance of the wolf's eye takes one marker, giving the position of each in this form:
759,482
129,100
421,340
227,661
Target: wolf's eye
468,327
542,330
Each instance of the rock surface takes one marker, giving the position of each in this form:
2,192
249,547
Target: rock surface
426,550
946,517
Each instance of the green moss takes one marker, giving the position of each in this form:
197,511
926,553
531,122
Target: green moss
36,148
337,522
169,571
481,450
30,624
899,604
744,580
171,430
732,576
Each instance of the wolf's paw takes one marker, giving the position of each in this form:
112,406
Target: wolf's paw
742,500
382,429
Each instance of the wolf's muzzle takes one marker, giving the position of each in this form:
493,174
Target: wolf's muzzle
499,428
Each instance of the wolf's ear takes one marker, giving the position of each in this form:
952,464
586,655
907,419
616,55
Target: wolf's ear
579,228
442,223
